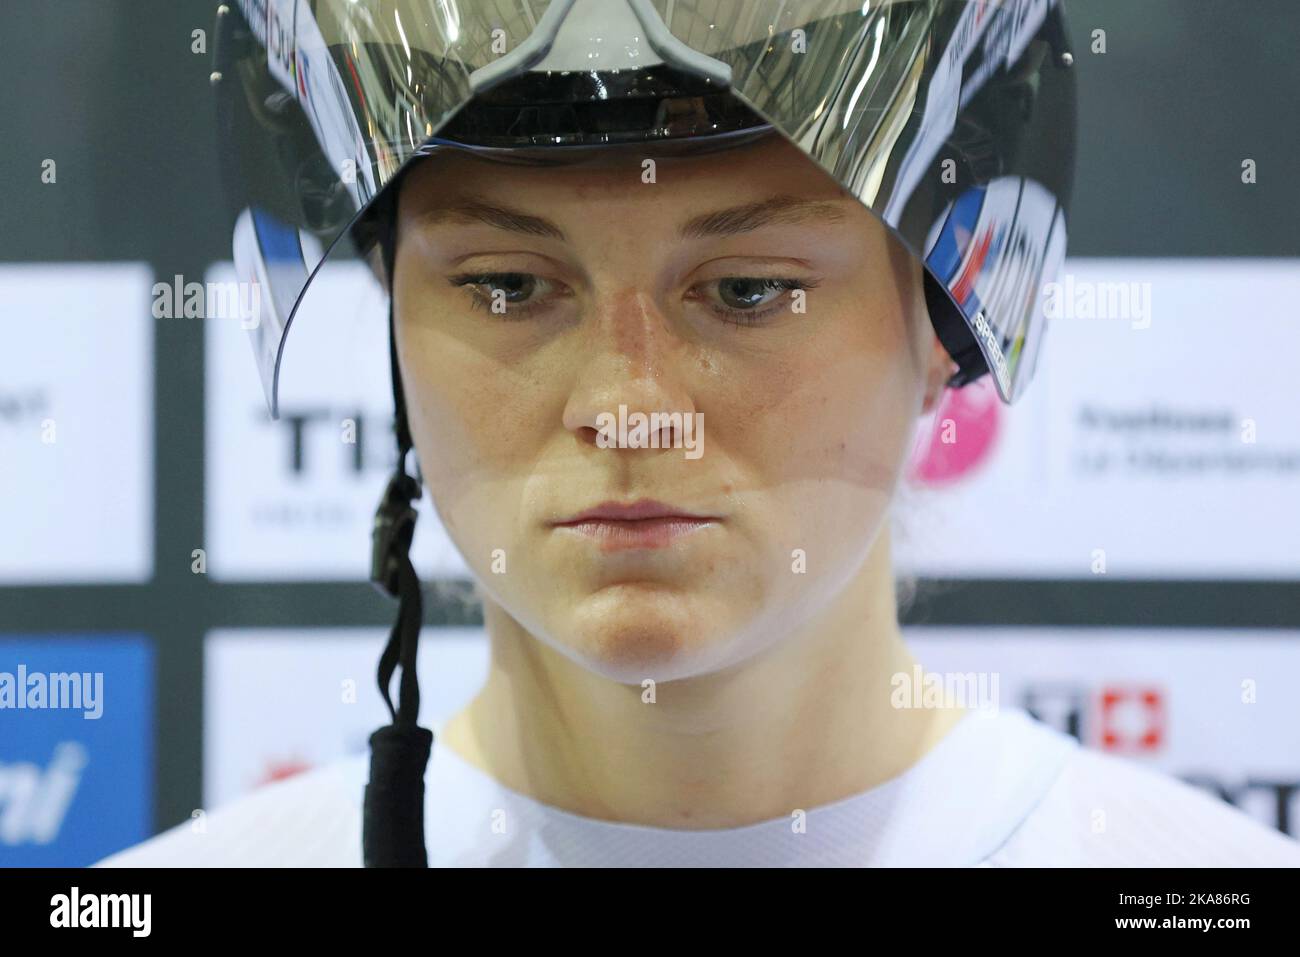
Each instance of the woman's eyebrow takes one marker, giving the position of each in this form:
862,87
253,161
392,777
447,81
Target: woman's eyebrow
502,217
778,210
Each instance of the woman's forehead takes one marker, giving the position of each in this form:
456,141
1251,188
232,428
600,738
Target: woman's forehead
759,169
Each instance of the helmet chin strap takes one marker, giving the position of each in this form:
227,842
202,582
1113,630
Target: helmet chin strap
393,814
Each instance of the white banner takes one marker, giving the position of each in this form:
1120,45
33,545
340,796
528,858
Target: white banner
76,423
279,701
295,498
1213,707
1158,438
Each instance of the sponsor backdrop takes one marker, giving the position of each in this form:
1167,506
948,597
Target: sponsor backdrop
1120,551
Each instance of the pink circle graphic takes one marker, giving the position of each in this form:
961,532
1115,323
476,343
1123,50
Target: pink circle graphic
969,419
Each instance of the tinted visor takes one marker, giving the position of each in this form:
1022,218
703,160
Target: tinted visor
952,120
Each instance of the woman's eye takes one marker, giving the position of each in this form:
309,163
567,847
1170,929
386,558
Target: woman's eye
740,293
748,299
502,290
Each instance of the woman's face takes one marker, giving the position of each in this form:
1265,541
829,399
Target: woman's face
742,290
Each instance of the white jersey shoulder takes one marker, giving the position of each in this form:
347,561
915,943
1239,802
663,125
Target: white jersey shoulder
312,819
1035,796
1109,811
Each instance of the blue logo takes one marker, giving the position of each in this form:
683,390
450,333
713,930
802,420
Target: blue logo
76,747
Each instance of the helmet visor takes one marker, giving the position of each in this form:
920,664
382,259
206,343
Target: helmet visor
952,120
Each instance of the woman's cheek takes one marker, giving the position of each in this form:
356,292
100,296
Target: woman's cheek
450,461
828,455
475,483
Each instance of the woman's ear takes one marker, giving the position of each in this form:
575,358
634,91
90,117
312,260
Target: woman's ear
939,366
939,370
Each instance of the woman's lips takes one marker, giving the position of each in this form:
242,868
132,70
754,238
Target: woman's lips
645,524
616,535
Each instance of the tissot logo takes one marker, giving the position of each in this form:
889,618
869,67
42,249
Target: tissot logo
1062,706
323,438
1134,720
1113,717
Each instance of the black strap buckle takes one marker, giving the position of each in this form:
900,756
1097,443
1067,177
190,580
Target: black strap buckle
393,531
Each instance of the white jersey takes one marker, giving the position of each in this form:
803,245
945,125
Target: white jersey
999,790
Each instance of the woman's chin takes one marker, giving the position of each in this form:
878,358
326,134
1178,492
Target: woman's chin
638,638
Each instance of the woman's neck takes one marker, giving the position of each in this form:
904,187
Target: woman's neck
804,723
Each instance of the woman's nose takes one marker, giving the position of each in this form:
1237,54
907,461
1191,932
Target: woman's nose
632,362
